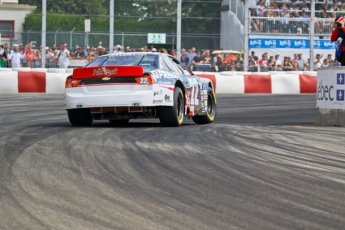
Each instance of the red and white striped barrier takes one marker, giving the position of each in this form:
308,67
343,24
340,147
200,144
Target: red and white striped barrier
293,82
25,80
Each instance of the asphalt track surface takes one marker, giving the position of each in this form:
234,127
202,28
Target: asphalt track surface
262,165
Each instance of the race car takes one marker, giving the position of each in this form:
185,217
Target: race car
124,86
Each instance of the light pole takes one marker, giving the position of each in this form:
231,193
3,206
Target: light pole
311,35
179,23
246,36
111,25
44,27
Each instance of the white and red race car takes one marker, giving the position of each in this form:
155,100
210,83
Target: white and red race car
120,87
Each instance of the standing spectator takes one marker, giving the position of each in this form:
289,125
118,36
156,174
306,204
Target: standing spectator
63,57
80,53
198,59
330,59
261,9
101,51
304,6
207,58
342,9
38,57
294,25
286,65
334,8
339,32
285,21
55,58
53,47
271,64
3,57
304,24
318,62
6,48
117,49
263,63
30,56
15,56
173,53
252,54
278,63
293,61
256,59
183,51
325,64
185,60
192,54
252,64
49,58
300,64
307,65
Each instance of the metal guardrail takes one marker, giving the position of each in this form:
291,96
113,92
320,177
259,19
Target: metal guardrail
291,26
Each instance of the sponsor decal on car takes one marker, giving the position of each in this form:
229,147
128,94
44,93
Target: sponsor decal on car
167,98
155,93
157,101
104,71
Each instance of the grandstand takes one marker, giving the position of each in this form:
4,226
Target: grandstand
280,27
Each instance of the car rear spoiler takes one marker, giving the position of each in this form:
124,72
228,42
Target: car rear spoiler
108,71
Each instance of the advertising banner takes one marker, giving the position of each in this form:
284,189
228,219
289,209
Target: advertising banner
331,88
290,44
77,63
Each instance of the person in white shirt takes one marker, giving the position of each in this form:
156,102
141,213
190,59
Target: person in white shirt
318,62
15,56
261,9
63,57
278,63
117,49
49,58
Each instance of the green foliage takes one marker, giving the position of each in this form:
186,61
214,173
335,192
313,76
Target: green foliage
84,7
199,17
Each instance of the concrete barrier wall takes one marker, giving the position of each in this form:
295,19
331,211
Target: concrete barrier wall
26,80
330,97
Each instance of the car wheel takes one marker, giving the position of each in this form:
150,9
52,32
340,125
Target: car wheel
119,122
173,115
80,117
210,115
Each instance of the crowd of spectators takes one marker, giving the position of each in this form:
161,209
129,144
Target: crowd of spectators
192,59
290,16
296,63
57,57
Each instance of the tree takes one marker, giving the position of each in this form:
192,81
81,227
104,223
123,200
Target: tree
84,7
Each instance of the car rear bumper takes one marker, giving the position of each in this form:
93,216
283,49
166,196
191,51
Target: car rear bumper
118,95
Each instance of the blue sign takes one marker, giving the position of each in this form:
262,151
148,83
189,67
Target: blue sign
290,43
340,95
340,78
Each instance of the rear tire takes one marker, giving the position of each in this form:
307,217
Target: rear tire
119,122
211,113
173,115
80,117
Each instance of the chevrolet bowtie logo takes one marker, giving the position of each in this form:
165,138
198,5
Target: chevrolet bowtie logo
106,79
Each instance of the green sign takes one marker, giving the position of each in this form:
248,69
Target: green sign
156,38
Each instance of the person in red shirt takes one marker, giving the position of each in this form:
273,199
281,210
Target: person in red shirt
339,32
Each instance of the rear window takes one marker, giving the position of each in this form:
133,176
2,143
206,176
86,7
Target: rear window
146,61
